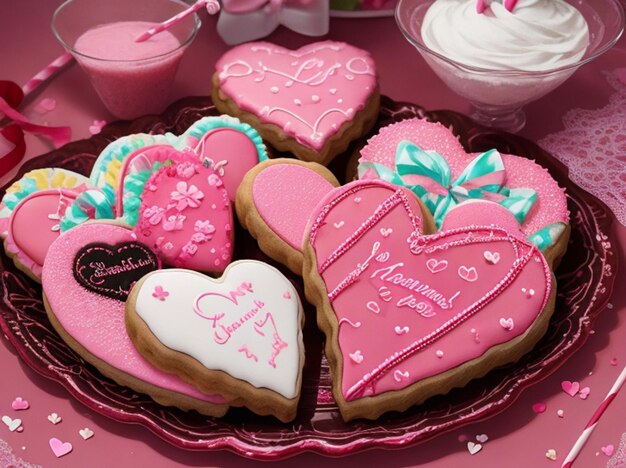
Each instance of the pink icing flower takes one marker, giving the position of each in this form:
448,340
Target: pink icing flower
154,214
190,248
174,223
185,196
200,238
205,227
160,293
185,170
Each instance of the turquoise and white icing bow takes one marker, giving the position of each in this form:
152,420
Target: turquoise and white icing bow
427,174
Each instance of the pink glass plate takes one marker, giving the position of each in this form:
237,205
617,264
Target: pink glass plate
585,280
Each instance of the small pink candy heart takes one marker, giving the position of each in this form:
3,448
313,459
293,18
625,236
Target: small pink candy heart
401,330
584,393
386,232
474,448
571,388
507,323
539,408
96,126
608,450
60,448
492,257
20,404
287,295
46,105
482,438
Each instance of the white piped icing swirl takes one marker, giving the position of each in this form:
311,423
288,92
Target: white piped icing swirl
539,35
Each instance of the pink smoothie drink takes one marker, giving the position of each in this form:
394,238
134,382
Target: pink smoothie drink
132,78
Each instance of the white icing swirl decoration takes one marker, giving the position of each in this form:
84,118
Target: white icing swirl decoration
539,35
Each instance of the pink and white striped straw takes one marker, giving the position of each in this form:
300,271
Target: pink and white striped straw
55,66
571,456
212,7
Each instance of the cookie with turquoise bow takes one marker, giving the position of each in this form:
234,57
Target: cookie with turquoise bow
428,159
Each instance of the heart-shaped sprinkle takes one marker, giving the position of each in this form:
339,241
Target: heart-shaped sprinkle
46,105
584,393
571,388
339,224
468,274
54,418
608,449
401,330
287,295
20,404
507,323
439,353
86,433
551,454
613,361
96,126
60,448
491,257
357,200
473,448
539,408
160,293
560,413
482,438
386,232
12,424
356,356
399,375
436,266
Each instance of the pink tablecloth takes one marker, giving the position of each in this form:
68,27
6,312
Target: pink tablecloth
517,437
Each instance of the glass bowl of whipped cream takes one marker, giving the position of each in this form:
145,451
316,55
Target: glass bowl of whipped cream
511,53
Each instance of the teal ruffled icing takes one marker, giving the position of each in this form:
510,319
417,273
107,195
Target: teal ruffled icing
133,188
90,204
206,124
547,236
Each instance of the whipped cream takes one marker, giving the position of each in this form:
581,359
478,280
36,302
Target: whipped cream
538,35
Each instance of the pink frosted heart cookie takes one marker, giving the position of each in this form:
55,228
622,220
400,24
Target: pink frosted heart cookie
409,314
186,217
86,278
241,334
312,101
274,202
429,159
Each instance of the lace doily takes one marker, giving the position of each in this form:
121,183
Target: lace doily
593,147
8,458
619,459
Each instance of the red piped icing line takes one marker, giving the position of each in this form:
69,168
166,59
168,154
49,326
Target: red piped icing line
419,243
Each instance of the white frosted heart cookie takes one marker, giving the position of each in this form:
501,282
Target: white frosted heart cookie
239,335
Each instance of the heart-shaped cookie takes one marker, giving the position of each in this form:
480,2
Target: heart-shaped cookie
93,324
427,157
424,311
274,202
312,101
240,334
186,217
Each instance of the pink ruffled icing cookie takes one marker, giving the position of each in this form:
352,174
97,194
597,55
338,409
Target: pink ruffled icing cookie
186,217
85,270
240,334
546,220
312,101
409,314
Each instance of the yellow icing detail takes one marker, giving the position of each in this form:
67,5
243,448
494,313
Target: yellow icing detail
112,173
41,178
16,187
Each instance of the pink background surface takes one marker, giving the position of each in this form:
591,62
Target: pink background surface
517,437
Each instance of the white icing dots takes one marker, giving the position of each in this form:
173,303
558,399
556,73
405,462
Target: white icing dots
339,101
274,89
529,292
356,357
